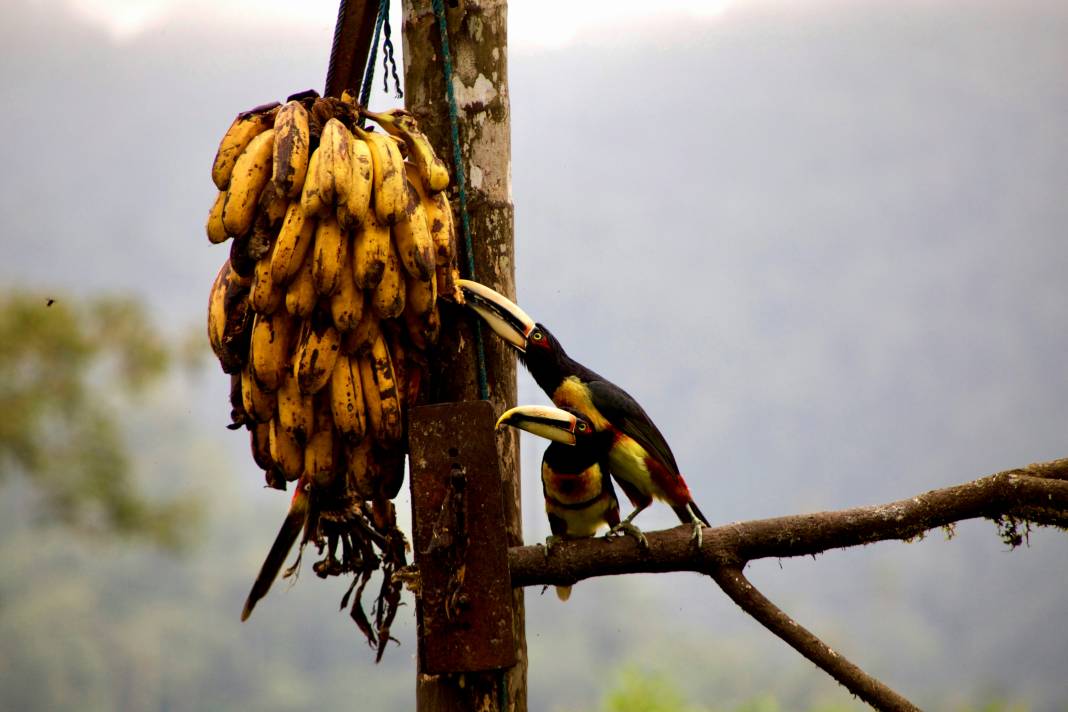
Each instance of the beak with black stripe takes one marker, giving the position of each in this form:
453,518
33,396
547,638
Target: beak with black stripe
503,315
544,421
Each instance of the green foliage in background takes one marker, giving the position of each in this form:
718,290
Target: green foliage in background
637,690
67,366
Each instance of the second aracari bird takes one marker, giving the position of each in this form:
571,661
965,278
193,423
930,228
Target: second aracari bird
579,497
639,457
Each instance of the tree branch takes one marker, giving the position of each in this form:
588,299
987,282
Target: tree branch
1035,494
734,584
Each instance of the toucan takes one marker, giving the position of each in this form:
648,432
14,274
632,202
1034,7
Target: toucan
638,457
579,497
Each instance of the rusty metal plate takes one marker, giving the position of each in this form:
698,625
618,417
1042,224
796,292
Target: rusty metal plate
461,549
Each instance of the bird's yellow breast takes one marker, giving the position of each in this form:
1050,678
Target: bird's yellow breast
582,522
573,393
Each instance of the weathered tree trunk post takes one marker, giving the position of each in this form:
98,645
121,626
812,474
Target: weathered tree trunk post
477,34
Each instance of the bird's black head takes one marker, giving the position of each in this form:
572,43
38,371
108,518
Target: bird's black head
545,358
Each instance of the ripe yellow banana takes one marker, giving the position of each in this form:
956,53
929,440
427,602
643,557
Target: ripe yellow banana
240,261
412,238
388,397
269,352
296,410
347,303
300,294
432,324
272,207
229,321
346,398
250,175
438,217
313,200
371,399
423,330
330,256
390,192
354,204
239,280
295,238
292,146
217,311
216,230
317,196
432,170
337,141
285,451
387,300
360,473
258,403
371,249
270,211
365,333
241,132
419,296
265,296
319,456
446,276
316,353
260,444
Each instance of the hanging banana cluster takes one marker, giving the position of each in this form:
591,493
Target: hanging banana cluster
323,315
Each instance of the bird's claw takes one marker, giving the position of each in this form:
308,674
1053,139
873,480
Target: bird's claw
550,542
698,534
630,529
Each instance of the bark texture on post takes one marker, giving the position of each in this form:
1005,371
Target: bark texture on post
478,45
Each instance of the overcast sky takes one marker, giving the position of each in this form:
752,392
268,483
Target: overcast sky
824,243
534,24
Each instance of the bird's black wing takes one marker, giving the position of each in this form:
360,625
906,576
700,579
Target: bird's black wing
617,406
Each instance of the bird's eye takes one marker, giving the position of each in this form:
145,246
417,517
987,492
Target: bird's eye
536,336
582,427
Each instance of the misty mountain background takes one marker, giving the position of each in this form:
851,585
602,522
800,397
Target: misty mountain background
822,243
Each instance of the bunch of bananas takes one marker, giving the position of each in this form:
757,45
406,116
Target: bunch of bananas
342,242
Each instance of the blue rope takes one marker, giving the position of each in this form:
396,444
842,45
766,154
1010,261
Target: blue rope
369,71
388,62
461,184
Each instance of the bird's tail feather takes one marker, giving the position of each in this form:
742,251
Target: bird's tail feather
686,513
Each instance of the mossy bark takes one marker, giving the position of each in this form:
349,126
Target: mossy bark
477,31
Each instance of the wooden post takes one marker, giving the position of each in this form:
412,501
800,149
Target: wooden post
477,32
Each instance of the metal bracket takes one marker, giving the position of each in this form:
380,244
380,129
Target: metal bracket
461,547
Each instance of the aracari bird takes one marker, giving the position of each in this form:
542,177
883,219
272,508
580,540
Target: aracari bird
579,497
639,457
